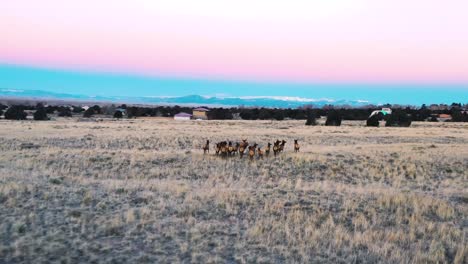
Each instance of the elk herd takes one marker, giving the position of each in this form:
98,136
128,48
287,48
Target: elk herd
226,149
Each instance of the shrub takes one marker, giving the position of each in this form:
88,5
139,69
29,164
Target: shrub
311,120
15,112
1,112
89,112
77,109
118,114
65,112
398,119
40,114
333,118
373,121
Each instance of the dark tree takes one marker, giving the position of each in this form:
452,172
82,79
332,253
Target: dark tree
64,112
311,120
97,109
264,114
77,109
118,114
300,115
15,112
89,112
398,118
40,114
333,118
458,116
279,114
220,114
1,112
373,121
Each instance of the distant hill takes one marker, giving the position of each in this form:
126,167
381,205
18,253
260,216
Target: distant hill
248,101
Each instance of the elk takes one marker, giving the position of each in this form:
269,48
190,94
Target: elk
276,147
224,149
218,148
283,142
236,148
206,148
252,151
267,149
230,148
296,146
242,146
260,153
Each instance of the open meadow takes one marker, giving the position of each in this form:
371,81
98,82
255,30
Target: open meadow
141,191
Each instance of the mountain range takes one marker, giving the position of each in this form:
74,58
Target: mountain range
188,100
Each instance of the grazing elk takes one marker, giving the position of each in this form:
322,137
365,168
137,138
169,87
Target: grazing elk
267,149
296,146
206,148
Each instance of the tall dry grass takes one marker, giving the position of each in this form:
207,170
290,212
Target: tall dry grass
142,191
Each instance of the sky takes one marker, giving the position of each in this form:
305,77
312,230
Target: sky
241,47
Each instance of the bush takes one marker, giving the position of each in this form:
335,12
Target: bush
77,109
40,114
373,121
89,112
333,118
65,112
311,120
1,112
118,114
15,112
398,118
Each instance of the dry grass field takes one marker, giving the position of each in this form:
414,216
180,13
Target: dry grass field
141,191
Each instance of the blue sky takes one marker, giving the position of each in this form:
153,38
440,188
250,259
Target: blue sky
112,84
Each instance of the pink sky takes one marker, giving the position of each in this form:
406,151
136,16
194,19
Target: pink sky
421,41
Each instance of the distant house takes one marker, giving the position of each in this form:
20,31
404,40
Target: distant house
200,113
182,116
444,117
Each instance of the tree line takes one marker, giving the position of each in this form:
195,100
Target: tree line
401,116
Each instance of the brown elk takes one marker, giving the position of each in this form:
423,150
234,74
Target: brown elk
252,151
276,147
222,148
283,142
206,148
236,148
267,149
230,148
242,146
260,153
218,148
296,146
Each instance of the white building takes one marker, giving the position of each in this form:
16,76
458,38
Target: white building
182,116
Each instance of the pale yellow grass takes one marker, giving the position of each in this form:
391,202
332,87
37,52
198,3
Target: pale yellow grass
131,191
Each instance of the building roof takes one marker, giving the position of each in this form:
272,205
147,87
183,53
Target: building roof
445,116
182,114
201,109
